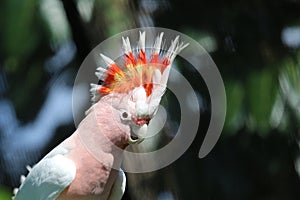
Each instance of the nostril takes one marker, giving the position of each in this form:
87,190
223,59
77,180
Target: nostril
133,136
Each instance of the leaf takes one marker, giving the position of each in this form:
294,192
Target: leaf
289,80
5,194
235,108
261,95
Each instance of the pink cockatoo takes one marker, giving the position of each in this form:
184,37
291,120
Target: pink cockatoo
87,164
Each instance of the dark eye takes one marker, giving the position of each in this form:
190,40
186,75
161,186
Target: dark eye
125,115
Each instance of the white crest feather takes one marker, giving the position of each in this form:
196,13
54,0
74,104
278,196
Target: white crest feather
101,73
156,77
94,91
108,61
165,75
142,39
161,62
175,49
157,44
126,45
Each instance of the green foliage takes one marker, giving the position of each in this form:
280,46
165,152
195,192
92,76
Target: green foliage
117,17
20,36
290,87
261,89
235,114
5,194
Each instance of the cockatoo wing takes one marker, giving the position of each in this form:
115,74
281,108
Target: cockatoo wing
48,178
118,188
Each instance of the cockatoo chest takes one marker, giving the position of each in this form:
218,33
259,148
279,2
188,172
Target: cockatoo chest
94,179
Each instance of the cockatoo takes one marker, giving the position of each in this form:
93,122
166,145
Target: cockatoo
87,164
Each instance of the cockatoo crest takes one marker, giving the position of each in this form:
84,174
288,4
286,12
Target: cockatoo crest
143,77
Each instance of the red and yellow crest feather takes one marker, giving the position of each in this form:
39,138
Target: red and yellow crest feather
138,70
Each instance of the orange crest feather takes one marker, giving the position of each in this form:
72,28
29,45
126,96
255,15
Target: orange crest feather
138,70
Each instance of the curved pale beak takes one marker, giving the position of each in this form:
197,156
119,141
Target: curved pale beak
138,133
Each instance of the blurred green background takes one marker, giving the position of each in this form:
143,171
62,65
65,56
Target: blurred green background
254,44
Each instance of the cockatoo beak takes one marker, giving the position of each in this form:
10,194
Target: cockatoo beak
138,133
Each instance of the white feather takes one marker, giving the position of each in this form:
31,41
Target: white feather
15,191
48,178
108,61
139,94
165,75
95,98
177,50
141,44
157,44
22,179
101,73
94,87
94,91
28,168
156,77
100,76
172,47
126,45
101,69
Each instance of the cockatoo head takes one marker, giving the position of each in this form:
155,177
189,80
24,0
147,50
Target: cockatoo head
136,88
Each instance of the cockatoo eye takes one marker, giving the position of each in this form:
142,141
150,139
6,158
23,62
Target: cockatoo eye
125,116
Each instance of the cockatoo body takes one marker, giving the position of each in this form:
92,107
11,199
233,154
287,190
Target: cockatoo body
86,165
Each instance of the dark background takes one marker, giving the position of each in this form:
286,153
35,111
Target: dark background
254,44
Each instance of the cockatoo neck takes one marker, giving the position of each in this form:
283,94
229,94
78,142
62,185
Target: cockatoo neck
108,119
102,132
